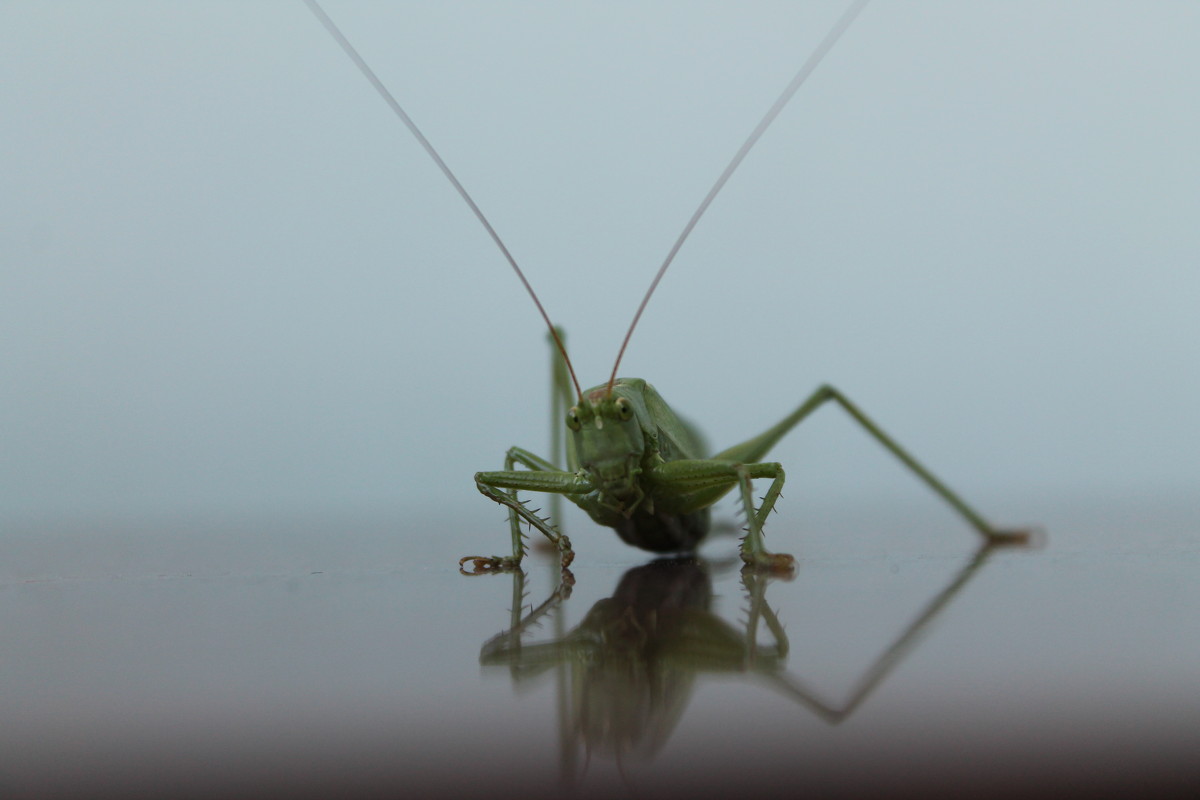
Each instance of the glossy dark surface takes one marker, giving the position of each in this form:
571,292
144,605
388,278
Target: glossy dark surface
309,656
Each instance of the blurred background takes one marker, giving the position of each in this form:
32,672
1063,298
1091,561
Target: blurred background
230,282
253,346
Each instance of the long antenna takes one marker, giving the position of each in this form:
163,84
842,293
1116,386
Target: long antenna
823,48
324,19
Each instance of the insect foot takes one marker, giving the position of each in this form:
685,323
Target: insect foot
1017,537
772,565
487,565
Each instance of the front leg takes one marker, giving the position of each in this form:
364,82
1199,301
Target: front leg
754,552
690,484
539,476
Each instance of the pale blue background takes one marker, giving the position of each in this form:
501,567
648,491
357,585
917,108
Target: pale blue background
230,281
252,348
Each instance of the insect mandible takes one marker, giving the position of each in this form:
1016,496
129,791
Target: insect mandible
632,463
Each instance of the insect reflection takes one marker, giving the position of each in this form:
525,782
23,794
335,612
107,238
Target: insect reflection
628,669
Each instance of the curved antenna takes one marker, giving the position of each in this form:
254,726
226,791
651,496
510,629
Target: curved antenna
823,48
324,19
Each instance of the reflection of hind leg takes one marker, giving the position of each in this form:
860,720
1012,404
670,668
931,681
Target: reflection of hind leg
833,713
754,449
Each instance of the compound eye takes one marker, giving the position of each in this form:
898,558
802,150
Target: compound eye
624,410
573,419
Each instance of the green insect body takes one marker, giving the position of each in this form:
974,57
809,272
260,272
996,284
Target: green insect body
624,443
636,466
632,463
628,454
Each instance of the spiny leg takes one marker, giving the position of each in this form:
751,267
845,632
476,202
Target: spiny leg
501,487
560,398
531,461
754,551
755,448
698,483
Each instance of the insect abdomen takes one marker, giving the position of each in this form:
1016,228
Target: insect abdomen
659,532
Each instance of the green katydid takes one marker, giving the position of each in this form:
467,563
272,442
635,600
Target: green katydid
632,463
